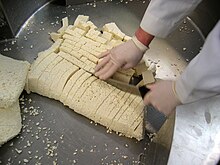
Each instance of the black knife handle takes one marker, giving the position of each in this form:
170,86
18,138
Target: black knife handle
143,91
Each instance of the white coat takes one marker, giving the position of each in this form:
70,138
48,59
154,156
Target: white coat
201,78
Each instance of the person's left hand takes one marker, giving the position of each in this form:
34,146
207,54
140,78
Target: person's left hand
162,96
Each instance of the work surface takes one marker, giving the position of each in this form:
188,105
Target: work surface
54,133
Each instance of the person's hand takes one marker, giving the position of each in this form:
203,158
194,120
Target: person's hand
162,96
126,55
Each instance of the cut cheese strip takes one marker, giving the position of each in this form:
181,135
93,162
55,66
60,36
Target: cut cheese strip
83,87
52,77
115,123
92,98
116,109
76,86
55,36
108,105
103,102
34,74
63,80
65,49
41,83
81,18
69,85
72,59
148,77
53,87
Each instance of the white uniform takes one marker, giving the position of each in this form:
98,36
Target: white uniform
201,78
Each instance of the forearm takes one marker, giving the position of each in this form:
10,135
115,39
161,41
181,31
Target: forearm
162,16
201,78
144,37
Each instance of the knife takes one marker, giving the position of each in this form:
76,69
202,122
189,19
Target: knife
153,119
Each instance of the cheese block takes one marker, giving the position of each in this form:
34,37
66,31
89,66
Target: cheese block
10,122
13,75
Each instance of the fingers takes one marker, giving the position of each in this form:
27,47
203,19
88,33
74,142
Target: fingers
107,71
102,63
127,66
104,54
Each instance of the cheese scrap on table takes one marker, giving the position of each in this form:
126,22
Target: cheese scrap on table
13,74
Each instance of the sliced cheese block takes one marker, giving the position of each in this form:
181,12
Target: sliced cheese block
116,109
10,122
13,75
68,77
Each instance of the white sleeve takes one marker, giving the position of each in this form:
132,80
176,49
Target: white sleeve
201,78
162,16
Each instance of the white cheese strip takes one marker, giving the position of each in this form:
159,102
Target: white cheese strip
115,124
69,85
108,105
64,79
81,18
34,74
71,59
76,86
41,82
53,87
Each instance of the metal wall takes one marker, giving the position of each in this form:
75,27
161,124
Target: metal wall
16,12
